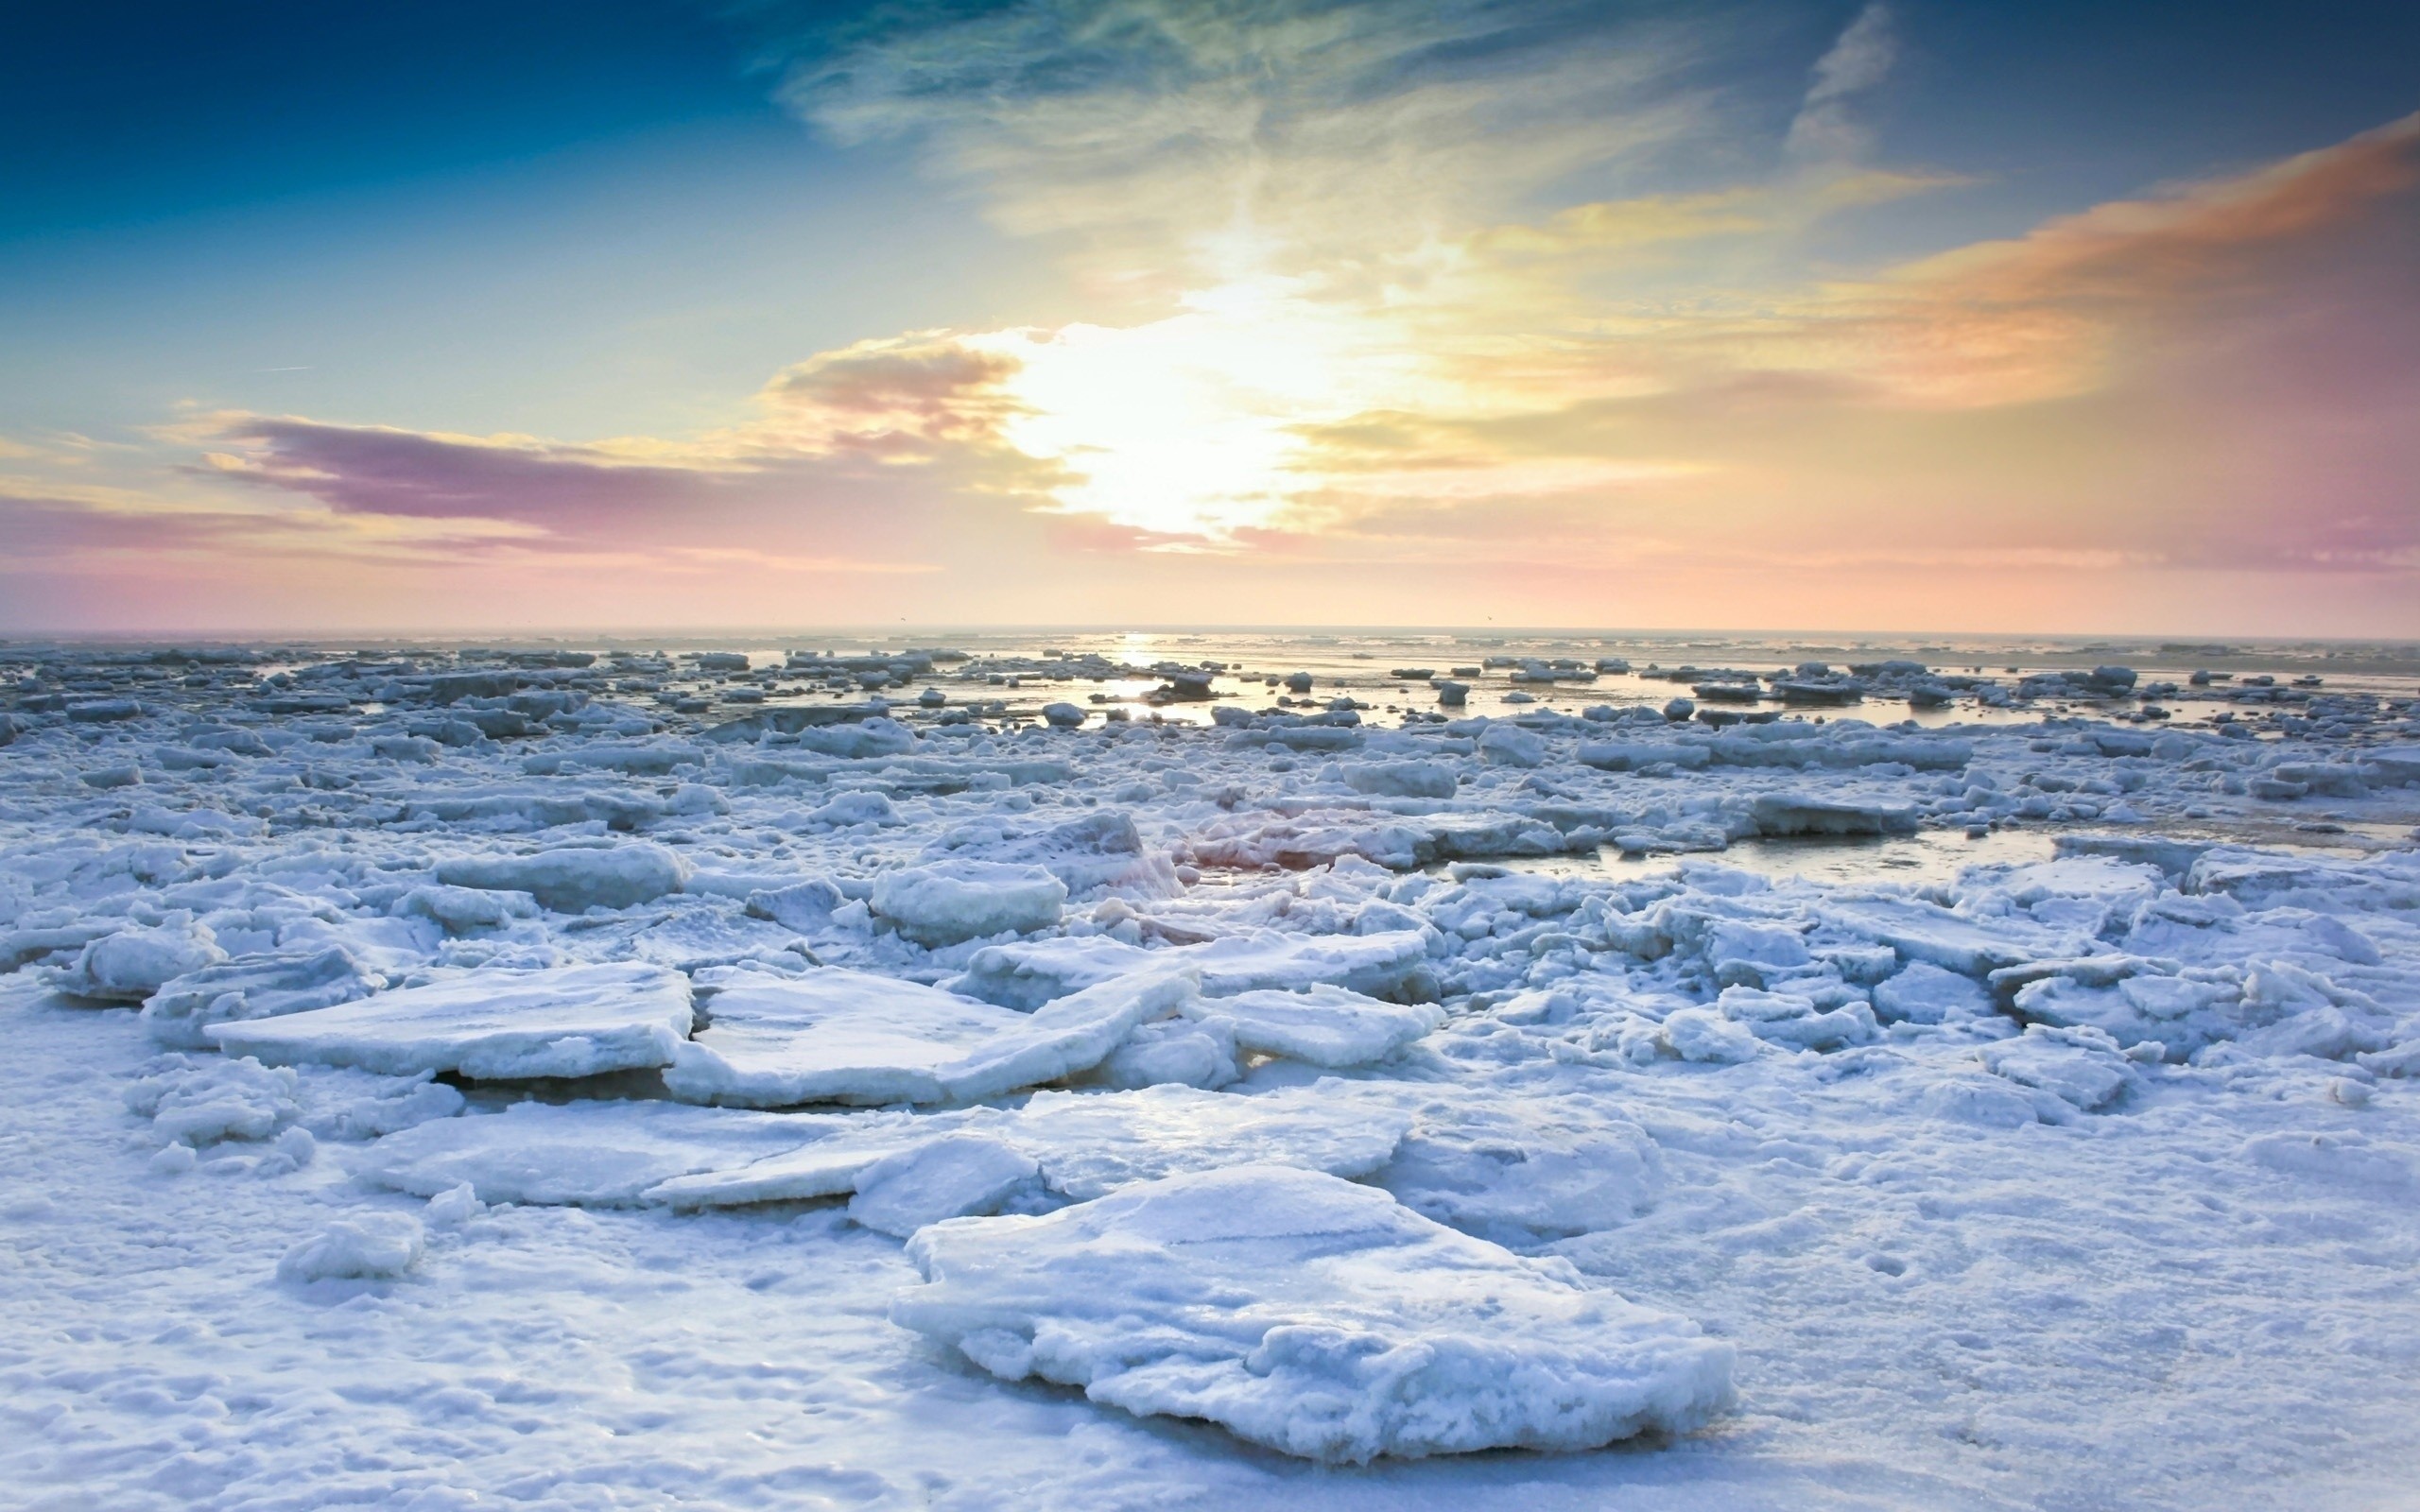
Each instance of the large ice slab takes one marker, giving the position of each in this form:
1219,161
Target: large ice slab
832,1035
571,1021
1310,1314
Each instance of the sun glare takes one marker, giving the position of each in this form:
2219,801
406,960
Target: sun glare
1193,426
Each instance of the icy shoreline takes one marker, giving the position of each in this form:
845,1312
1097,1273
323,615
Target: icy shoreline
588,1059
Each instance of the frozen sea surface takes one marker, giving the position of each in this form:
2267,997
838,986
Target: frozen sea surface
1987,1082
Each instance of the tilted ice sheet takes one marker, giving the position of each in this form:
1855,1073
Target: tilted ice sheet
1310,1314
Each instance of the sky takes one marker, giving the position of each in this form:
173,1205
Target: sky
634,315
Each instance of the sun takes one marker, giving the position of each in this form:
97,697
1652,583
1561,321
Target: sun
1192,427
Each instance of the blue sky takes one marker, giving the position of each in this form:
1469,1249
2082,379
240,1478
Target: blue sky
614,223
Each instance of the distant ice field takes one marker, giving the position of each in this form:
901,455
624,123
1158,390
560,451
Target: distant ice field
1217,1069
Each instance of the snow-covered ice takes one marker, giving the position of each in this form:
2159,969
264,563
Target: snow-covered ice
557,1079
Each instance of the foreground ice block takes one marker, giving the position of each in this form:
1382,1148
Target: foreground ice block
1310,1314
571,1021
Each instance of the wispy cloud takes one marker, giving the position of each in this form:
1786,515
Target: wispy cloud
1826,128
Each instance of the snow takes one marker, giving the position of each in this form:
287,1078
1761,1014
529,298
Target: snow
2025,1105
570,1021
1310,1314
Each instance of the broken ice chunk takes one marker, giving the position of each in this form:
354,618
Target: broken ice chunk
204,1101
1789,813
956,1175
370,1247
1393,965
2081,1067
1324,1025
1921,993
573,879
254,987
1174,1052
832,1035
1402,780
1524,1174
1031,972
132,964
571,1021
1791,1018
1057,1039
1086,1143
945,903
1704,1035
1309,1315
1093,1143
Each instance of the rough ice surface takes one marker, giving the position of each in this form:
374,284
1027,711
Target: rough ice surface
2022,1092
1310,1314
565,1021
